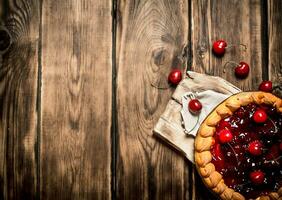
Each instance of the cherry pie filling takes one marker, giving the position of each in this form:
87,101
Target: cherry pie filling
248,148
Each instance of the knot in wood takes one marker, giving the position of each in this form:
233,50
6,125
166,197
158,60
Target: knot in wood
5,40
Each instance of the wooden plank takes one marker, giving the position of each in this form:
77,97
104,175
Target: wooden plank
76,99
275,44
170,129
236,22
151,38
18,95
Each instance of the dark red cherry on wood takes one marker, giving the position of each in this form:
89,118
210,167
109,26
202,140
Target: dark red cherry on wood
195,106
175,76
260,116
257,177
219,47
242,70
265,86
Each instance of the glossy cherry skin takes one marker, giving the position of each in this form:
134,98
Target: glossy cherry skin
175,76
255,148
225,136
260,116
219,47
195,106
265,86
257,177
224,125
242,70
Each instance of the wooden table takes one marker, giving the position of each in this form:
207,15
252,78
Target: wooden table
77,106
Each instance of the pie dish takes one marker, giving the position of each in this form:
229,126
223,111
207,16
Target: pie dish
238,147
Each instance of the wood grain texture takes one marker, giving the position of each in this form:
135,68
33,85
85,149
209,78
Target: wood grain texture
56,90
76,99
275,43
151,39
18,96
236,22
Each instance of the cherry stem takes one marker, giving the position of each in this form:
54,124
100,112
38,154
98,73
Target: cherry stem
238,163
234,45
227,63
274,159
276,128
187,132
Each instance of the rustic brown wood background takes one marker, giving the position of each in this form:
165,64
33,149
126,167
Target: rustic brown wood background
76,104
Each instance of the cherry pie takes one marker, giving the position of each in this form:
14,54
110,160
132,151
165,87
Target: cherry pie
238,148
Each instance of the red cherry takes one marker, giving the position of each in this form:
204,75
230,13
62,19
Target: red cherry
224,125
260,116
225,136
175,76
219,47
265,86
242,70
195,106
255,148
280,146
257,177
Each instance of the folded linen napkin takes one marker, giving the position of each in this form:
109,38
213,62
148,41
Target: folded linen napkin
177,126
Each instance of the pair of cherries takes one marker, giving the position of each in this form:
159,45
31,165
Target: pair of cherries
242,69
174,77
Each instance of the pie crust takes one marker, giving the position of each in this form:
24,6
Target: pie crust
204,140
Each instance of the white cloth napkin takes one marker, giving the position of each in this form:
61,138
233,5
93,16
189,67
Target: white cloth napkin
209,100
176,121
